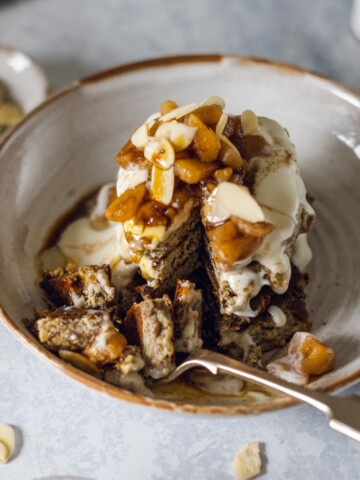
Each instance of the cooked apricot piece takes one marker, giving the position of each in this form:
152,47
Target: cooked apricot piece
191,170
151,213
223,175
167,107
126,206
206,143
107,347
208,114
317,358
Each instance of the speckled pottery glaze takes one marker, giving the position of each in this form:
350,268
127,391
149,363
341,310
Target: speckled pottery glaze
66,147
25,80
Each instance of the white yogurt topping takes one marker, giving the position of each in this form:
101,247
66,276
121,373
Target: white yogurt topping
302,253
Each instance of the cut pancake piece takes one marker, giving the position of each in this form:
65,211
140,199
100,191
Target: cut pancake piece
149,324
83,287
188,317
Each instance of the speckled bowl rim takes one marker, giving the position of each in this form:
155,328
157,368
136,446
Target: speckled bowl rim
99,385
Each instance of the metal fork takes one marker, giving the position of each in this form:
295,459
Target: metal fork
343,412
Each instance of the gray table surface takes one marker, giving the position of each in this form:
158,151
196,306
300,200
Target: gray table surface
66,431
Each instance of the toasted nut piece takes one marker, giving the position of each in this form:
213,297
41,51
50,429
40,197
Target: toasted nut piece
126,206
257,229
208,114
80,361
213,100
206,143
168,106
7,443
247,461
311,356
178,112
223,175
191,170
162,184
106,347
130,154
230,155
10,114
239,202
160,152
249,122
180,135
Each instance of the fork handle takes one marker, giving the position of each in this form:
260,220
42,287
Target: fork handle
333,407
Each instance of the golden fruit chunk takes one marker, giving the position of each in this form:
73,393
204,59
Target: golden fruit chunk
106,347
208,114
153,213
257,229
162,184
206,143
167,107
160,152
191,170
229,245
317,358
10,114
249,122
80,361
226,231
223,175
126,206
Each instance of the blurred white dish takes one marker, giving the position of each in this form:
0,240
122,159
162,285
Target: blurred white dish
25,80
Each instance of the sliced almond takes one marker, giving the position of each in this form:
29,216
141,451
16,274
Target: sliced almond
249,122
153,117
214,100
162,184
7,443
130,178
221,124
179,134
160,152
178,112
239,202
140,136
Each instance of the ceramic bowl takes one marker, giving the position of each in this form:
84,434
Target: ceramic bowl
25,80
66,147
